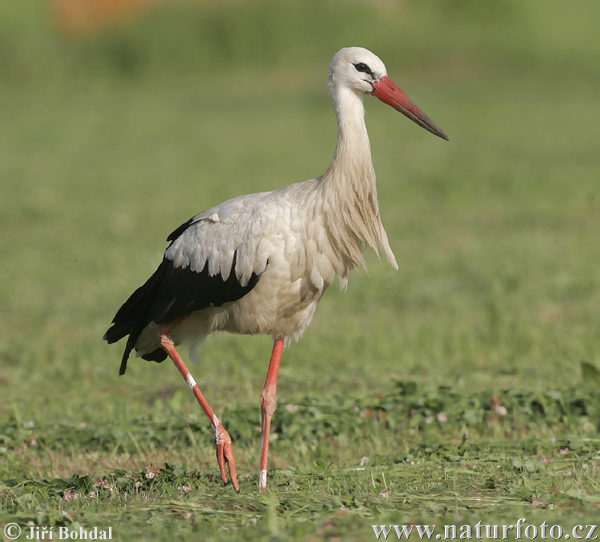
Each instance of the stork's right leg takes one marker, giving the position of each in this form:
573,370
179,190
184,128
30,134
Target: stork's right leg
224,447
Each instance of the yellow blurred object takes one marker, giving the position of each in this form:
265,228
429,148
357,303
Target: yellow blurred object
92,16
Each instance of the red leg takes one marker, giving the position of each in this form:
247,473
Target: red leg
224,447
268,404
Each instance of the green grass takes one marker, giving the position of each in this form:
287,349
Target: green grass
390,408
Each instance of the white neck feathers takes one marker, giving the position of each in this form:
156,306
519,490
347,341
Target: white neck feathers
348,188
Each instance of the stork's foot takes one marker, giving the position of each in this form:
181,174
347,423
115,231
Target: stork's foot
224,448
225,456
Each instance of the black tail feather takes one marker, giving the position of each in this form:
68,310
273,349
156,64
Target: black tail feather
168,294
135,314
157,355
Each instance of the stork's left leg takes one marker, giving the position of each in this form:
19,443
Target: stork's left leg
268,404
224,447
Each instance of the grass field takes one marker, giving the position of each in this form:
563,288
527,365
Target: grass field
464,388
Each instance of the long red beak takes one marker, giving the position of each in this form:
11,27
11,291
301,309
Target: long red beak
389,93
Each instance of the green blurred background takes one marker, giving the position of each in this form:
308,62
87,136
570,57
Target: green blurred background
116,131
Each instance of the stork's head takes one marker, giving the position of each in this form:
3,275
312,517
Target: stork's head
359,70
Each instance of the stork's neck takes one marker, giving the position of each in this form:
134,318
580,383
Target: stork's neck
348,191
352,160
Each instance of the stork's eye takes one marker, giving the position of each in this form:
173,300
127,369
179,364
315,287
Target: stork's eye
363,68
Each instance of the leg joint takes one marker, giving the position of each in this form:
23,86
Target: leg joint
166,341
268,399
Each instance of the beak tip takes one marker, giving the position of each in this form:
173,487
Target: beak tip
435,130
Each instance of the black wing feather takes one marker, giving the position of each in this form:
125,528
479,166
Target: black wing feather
176,233
170,293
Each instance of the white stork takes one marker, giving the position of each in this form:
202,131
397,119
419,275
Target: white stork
259,264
